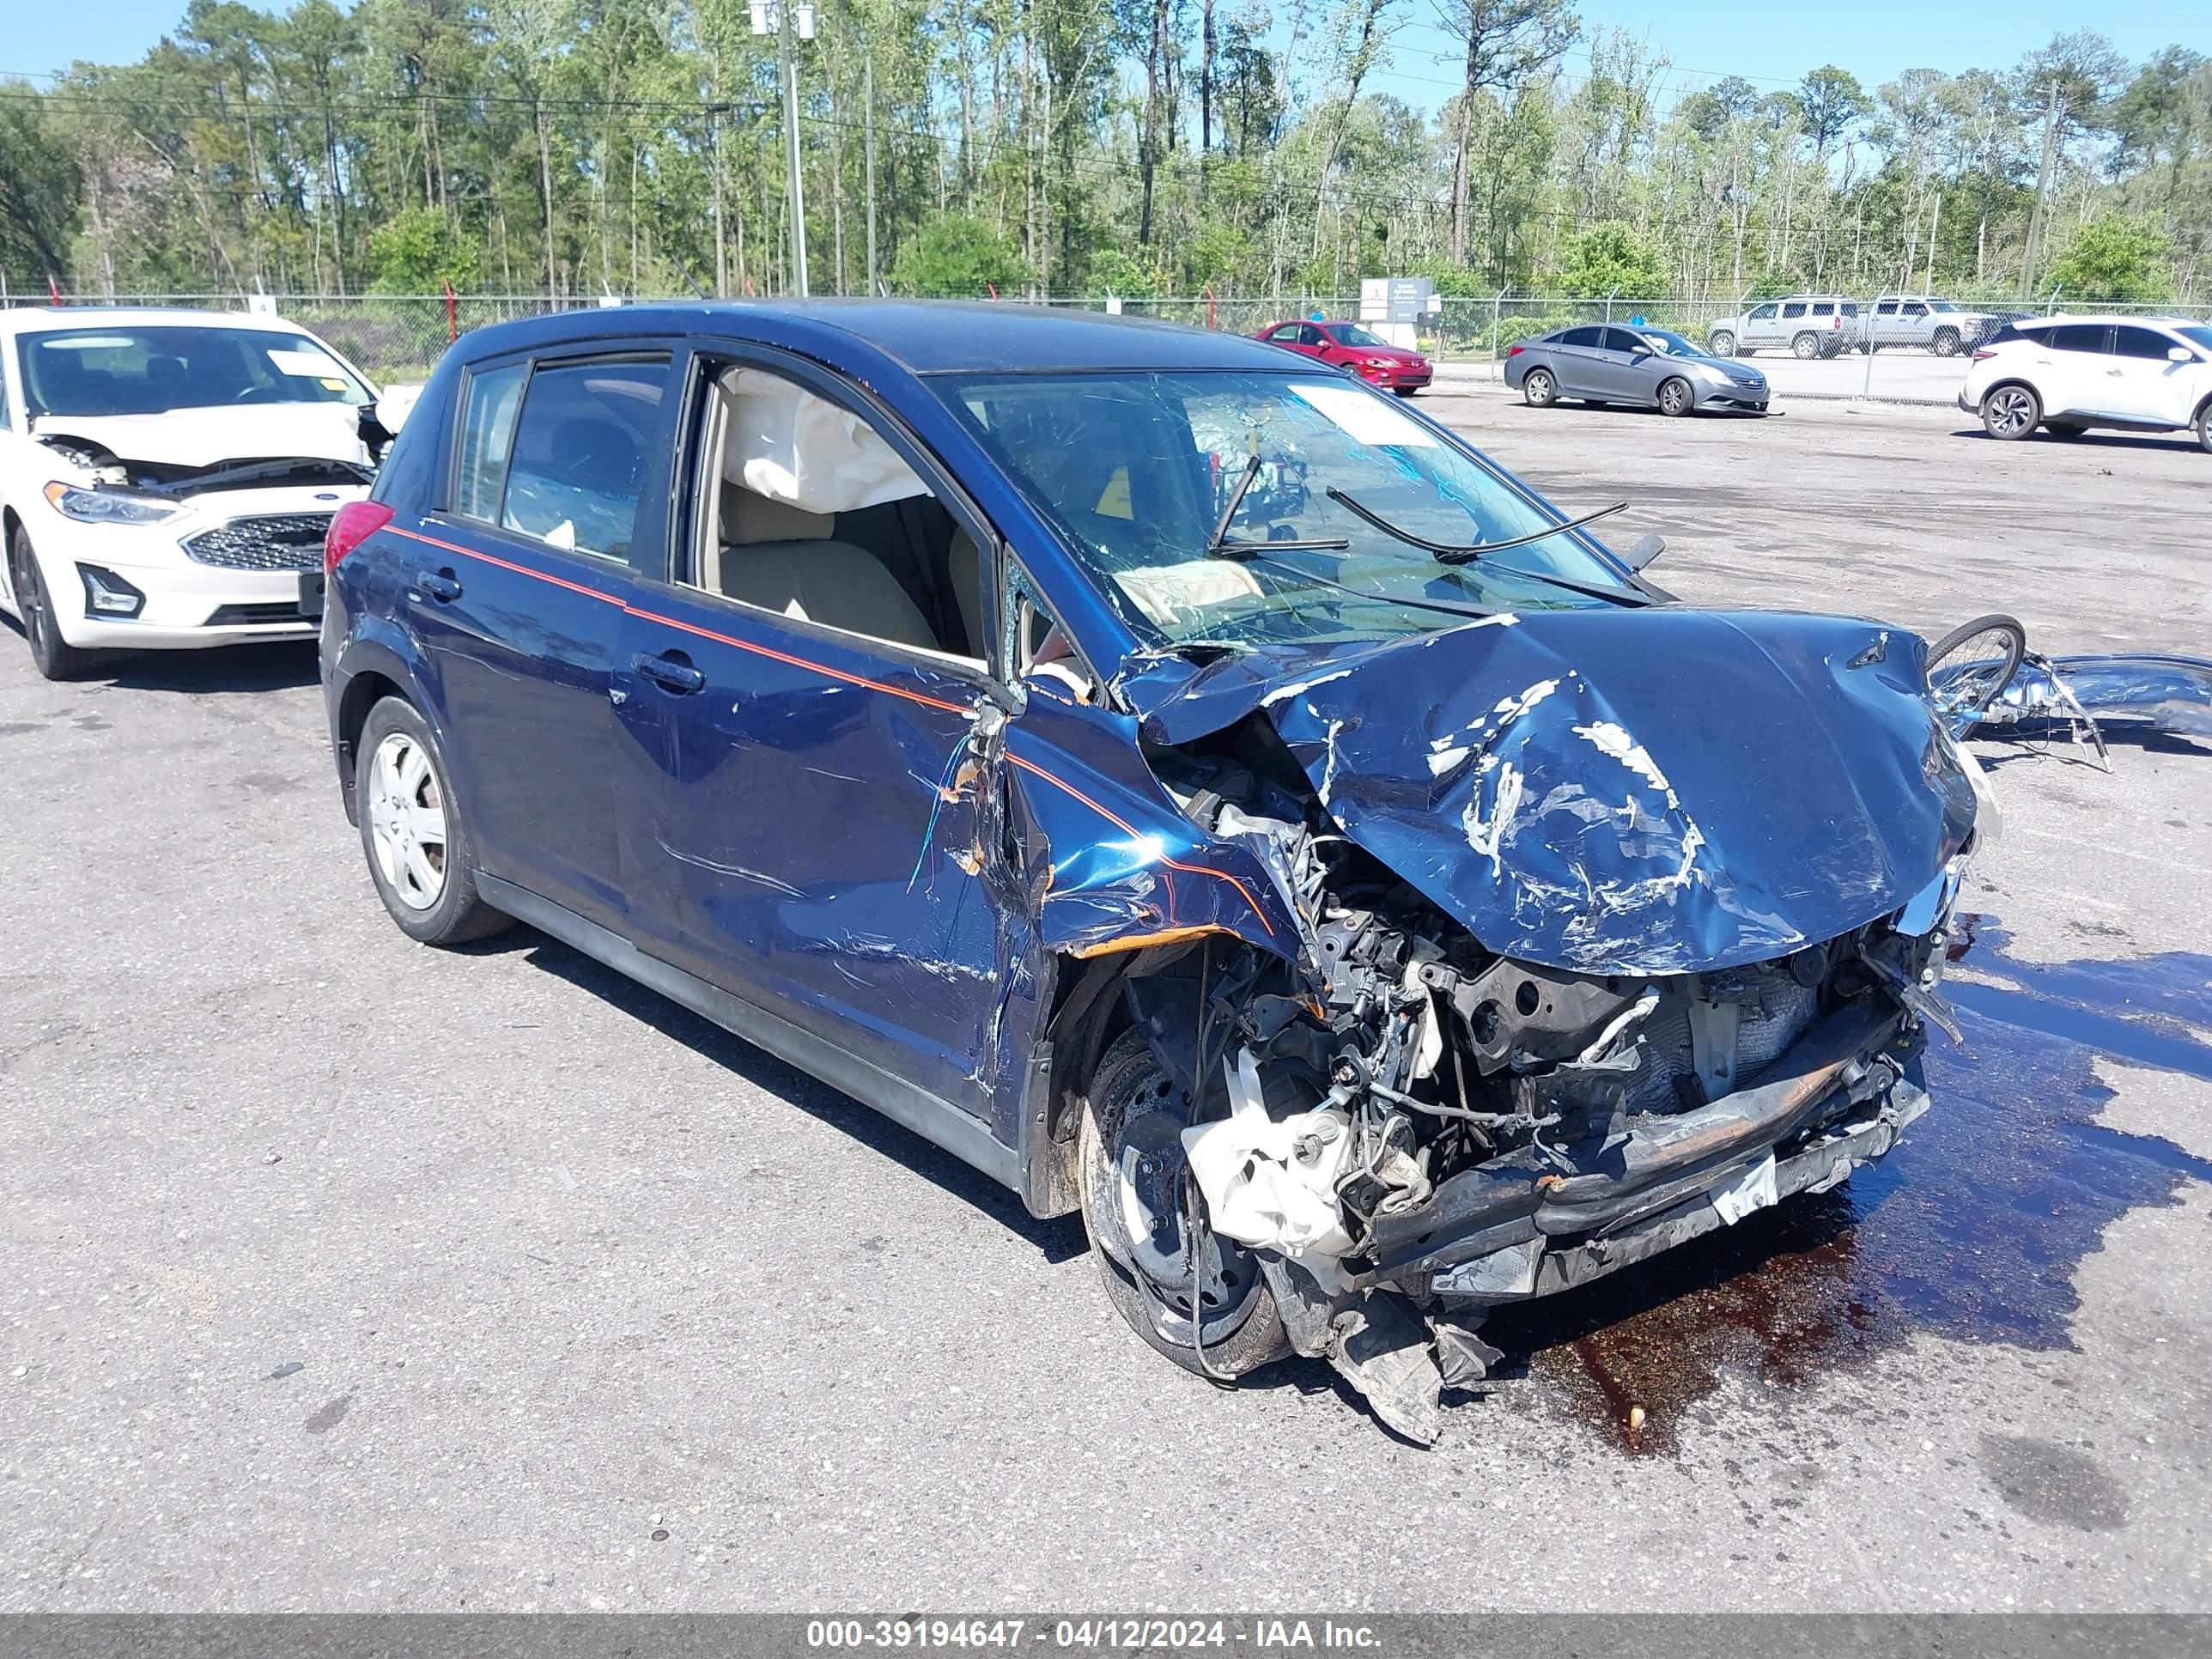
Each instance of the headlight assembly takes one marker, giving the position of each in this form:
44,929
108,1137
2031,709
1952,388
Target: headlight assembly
107,505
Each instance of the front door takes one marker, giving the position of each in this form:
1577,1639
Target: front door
809,775
1760,327
2147,383
515,593
1620,368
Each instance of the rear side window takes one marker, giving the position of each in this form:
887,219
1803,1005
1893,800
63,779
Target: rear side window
1886,308
1823,308
1797,310
487,430
1580,336
2141,343
580,454
2079,337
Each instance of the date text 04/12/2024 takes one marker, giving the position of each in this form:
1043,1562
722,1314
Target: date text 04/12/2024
1079,1635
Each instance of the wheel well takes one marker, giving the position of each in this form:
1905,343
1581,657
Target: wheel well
362,693
1999,386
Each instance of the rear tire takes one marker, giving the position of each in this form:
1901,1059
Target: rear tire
1806,346
1538,390
2065,429
414,832
54,657
1128,1169
2204,428
1676,398
1721,343
2011,411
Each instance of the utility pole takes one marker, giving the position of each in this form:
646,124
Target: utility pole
2054,113
868,96
786,18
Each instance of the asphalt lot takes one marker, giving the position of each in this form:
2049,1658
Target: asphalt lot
346,1274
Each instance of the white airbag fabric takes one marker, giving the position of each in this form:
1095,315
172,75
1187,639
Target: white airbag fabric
790,446
1257,1190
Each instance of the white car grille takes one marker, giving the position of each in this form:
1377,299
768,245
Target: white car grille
287,541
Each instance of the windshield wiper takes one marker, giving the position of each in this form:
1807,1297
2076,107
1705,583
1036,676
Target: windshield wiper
1261,550
1449,553
1221,548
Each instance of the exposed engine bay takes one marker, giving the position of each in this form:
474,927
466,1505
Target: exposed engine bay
1408,1128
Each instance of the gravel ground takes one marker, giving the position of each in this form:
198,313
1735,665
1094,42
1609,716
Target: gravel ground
345,1274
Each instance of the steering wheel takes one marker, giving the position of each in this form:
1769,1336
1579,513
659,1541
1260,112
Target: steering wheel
258,394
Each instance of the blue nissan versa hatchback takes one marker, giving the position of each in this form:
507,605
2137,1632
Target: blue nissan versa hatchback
1191,788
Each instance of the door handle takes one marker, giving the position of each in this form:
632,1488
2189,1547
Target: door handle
669,672
441,585
2115,371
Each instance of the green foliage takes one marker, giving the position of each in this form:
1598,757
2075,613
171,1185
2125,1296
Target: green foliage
958,256
38,187
1613,258
2114,258
1114,271
418,251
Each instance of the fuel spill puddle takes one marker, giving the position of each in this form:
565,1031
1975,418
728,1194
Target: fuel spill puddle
1971,1230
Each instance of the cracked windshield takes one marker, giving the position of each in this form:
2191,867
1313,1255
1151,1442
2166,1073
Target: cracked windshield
1251,509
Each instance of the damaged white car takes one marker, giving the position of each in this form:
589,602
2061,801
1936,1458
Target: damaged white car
166,477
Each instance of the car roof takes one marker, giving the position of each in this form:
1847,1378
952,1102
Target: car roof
2104,318
925,337
44,319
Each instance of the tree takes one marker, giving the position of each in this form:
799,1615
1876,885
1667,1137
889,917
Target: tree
1508,41
1612,259
958,256
38,185
417,251
1830,102
2114,258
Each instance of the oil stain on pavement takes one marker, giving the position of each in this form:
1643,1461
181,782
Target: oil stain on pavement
1970,1230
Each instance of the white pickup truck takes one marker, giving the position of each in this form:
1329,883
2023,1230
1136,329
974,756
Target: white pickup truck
1925,320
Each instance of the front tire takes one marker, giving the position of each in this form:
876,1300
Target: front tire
1676,398
1538,390
1132,1176
2010,412
2204,428
1947,343
414,831
1722,345
54,657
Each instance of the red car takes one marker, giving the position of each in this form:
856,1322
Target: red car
1356,351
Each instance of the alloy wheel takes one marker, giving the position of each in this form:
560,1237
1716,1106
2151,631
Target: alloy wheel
2010,411
407,821
1673,399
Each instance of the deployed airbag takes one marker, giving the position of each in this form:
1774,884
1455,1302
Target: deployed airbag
790,446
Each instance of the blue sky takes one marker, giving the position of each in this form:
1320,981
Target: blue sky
1769,42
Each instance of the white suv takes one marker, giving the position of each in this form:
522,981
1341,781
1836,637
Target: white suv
1810,324
166,477
2070,373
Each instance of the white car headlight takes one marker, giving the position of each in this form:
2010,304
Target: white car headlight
107,506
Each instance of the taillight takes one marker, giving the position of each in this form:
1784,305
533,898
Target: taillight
1514,351
1983,355
350,526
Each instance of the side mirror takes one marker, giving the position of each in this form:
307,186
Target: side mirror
1644,551
2179,355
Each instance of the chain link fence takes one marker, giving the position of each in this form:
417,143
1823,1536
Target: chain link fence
396,339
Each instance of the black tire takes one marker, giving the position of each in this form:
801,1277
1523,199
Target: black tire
1247,1333
54,657
2011,411
1538,390
2065,428
1946,343
1996,639
1405,390
1676,398
1806,346
2204,428
457,913
1721,343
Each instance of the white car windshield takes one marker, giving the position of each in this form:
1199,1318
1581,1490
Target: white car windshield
152,368
1137,471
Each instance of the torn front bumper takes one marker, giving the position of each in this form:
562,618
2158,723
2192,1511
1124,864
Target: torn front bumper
1517,1228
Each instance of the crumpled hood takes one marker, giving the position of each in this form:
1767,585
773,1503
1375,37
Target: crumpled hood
1623,791
208,437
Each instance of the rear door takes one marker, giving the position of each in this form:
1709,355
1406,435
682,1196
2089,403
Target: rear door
1574,359
516,591
2075,373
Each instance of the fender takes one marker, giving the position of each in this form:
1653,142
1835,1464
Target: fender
378,645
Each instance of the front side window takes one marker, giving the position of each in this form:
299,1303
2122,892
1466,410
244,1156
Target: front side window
576,469
1762,314
1136,471
154,368
2129,341
1914,309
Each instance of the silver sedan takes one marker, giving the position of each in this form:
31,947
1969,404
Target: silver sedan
1613,364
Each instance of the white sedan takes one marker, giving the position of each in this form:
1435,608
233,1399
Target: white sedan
2070,373
166,477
